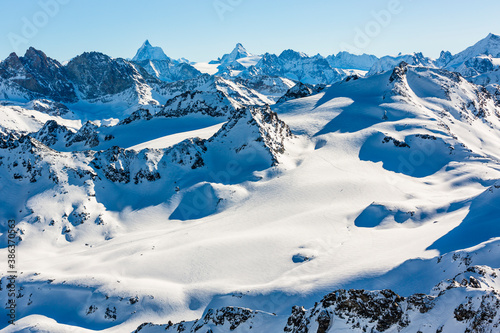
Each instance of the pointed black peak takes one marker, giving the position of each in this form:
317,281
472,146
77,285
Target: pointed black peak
147,43
399,72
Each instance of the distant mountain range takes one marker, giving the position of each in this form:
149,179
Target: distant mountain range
37,76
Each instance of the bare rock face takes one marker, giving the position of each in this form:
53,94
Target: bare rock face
38,76
97,75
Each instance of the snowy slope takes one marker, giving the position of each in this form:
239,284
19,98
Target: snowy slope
24,118
372,204
253,214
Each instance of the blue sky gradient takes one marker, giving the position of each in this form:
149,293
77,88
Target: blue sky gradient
201,30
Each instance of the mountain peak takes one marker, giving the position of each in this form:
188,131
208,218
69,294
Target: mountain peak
292,55
32,53
239,51
493,36
488,46
149,52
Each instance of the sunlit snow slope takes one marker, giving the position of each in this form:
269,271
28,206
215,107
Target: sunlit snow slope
353,187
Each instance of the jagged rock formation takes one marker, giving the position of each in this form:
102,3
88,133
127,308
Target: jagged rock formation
35,76
301,90
96,75
214,104
52,133
208,95
58,136
469,302
253,131
92,76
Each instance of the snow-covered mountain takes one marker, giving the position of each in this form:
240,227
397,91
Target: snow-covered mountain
90,83
480,62
97,76
346,60
387,63
211,95
301,90
159,65
239,52
273,87
297,66
150,52
291,65
465,303
489,46
34,76
368,204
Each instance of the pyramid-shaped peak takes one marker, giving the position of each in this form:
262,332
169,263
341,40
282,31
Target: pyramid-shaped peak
238,52
150,52
240,49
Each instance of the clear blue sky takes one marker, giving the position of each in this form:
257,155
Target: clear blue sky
195,29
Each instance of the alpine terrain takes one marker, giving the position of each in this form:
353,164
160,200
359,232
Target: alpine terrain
251,193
